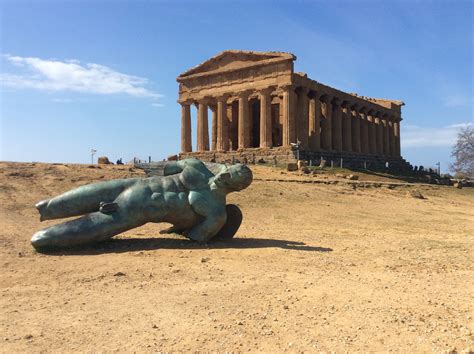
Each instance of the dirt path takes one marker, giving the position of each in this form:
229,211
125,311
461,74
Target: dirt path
313,267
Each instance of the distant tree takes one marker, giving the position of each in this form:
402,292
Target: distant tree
463,152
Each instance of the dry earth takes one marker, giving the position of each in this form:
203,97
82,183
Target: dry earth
313,267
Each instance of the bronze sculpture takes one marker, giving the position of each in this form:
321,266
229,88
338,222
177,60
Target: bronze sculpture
188,195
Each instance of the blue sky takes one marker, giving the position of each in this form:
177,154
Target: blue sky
83,74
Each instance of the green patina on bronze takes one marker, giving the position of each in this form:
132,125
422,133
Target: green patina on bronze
189,196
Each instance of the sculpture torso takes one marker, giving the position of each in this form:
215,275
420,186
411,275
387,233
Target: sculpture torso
180,199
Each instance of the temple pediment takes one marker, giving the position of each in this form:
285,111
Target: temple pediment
230,60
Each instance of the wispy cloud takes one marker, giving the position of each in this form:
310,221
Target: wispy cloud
71,75
414,136
458,100
61,100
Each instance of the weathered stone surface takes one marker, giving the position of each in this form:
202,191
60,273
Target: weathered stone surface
103,160
291,166
305,170
172,158
301,164
352,177
416,194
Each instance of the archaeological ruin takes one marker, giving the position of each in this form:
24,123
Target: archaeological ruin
262,110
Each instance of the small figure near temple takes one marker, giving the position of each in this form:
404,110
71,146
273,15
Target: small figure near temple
119,161
189,195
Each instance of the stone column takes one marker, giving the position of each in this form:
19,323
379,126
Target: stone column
289,128
336,125
391,140
378,135
347,127
213,127
396,129
356,130
371,128
326,124
186,142
234,126
222,129
314,116
386,136
364,135
266,118
244,124
302,123
203,128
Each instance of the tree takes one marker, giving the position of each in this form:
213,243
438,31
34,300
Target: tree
463,152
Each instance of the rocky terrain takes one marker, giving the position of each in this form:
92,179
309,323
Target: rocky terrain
351,265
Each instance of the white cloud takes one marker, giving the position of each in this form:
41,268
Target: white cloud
70,75
414,136
157,105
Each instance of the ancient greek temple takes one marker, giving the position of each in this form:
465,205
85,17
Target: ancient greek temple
260,107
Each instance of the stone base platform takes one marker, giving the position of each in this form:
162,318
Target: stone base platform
277,155
282,155
357,161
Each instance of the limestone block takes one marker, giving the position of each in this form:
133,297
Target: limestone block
103,160
301,164
172,158
416,194
291,166
305,170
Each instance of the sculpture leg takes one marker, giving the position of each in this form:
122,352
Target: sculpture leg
82,200
133,208
87,229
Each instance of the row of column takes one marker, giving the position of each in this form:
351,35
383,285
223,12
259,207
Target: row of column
220,138
318,121
339,125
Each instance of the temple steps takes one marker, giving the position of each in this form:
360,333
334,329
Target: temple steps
280,155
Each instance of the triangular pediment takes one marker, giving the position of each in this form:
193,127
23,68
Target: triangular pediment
234,60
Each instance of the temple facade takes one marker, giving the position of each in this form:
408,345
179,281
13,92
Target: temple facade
259,105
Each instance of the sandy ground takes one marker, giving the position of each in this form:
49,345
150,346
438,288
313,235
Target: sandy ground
313,267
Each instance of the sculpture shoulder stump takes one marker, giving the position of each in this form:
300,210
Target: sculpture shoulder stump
232,225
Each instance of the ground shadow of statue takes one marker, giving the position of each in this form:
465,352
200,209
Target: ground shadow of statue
122,245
